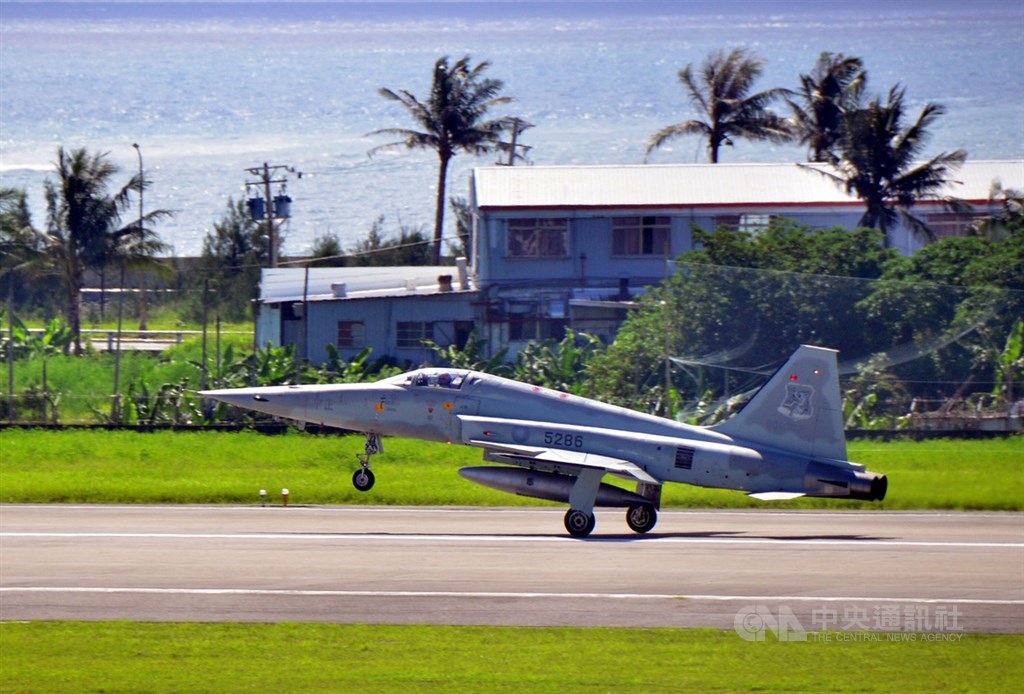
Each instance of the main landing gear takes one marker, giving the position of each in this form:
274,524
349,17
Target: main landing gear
363,478
587,492
640,518
579,523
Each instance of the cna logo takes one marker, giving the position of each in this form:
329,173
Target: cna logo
753,621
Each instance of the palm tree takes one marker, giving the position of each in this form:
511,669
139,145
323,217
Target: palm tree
83,229
996,225
721,93
878,161
19,247
452,119
832,90
19,241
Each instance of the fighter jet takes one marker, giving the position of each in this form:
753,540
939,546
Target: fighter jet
787,441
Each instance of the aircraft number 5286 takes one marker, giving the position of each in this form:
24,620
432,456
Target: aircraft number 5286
555,438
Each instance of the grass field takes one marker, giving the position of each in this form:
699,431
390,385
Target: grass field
209,467
83,385
120,656
193,467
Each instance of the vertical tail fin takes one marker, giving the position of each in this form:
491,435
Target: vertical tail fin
798,410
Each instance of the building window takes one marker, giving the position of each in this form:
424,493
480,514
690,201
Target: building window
351,333
410,333
533,328
641,235
728,221
754,223
947,224
538,238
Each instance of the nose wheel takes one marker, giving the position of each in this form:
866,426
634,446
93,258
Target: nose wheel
363,478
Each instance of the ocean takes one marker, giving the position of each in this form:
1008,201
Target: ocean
209,90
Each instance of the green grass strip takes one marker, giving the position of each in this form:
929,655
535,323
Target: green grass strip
231,468
137,657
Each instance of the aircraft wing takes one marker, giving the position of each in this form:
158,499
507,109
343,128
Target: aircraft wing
567,458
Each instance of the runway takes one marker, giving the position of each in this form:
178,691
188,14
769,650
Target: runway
944,573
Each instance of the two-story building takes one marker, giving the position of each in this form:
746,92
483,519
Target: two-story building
568,245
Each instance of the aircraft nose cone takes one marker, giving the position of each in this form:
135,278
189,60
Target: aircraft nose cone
241,397
288,402
261,399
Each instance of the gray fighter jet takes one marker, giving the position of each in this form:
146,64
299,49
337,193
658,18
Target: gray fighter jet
787,441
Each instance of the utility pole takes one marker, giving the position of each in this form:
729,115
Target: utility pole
274,208
518,126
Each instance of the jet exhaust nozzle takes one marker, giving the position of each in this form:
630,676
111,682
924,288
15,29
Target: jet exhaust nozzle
869,486
824,480
545,485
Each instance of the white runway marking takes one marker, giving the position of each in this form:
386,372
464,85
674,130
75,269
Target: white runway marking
490,595
409,537
529,510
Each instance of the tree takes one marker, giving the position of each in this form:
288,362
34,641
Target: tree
18,239
998,225
83,225
721,94
326,251
955,301
878,162
832,89
233,254
463,228
410,248
452,120
738,304
20,247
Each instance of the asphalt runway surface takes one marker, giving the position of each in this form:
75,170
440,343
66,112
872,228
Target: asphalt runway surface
943,573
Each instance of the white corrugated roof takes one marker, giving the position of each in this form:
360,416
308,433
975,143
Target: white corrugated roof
279,285
690,185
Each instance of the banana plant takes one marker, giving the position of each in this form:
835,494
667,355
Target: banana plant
1010,364
358,369
471,356
558,364
54,338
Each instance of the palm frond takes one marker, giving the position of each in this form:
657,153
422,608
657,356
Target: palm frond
720,92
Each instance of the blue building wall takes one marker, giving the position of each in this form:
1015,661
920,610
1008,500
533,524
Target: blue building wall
590,256
447,317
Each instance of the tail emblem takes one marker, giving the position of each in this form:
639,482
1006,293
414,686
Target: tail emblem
797,403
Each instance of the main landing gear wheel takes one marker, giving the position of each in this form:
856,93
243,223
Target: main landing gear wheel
578,523
641,518
363,479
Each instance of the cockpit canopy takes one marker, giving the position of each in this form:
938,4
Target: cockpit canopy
450,379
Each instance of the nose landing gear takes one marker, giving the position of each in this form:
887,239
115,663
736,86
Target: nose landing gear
363,478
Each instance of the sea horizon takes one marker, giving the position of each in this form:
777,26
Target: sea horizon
209,90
